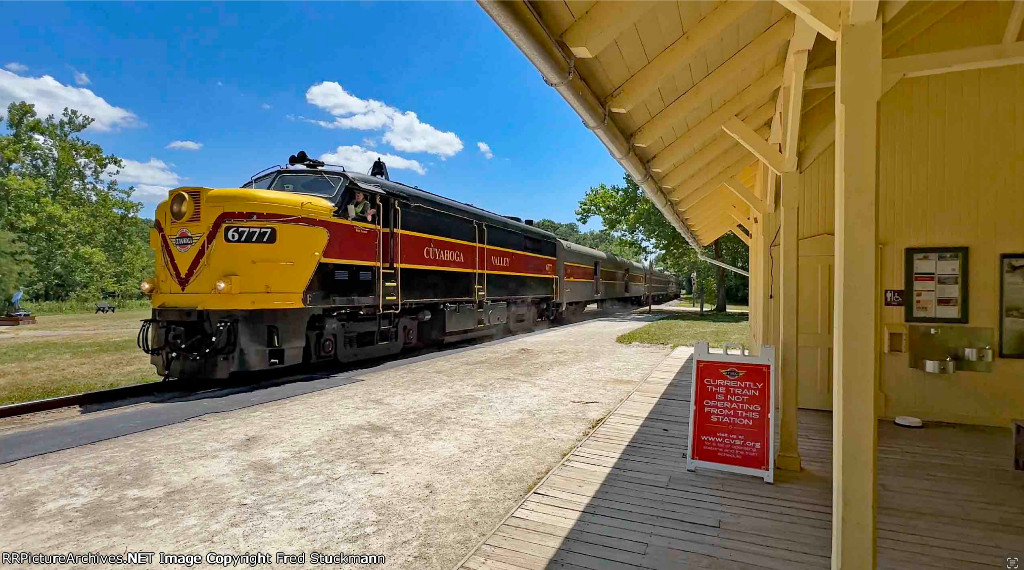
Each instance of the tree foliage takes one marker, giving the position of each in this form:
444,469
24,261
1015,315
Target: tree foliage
629,215
81,230
602,240
15,267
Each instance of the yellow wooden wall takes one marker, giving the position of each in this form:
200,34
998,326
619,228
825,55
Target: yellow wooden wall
951,173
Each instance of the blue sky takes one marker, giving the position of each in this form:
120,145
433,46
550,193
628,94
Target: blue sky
424,82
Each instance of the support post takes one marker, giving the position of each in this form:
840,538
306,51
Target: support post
761,270
788,457
854,427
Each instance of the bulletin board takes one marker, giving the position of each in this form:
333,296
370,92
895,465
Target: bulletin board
935,280
1011,305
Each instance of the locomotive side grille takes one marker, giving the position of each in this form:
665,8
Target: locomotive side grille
197,211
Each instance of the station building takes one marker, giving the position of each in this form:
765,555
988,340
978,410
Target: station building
871,154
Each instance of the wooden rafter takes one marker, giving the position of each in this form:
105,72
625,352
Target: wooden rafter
599,27
675,56
890,8
1013,26
738,230
997,55
863,11
704,159
721,77
756,93
761,149
720,163
822,16
746,194
897,35
721,200
685,200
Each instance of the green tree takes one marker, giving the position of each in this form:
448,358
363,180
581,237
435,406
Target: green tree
630,216
602,240
78,225
15,268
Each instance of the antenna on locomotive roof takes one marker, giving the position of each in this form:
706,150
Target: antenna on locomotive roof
379,169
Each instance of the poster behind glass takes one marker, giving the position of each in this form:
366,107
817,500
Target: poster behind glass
1011,306
936,279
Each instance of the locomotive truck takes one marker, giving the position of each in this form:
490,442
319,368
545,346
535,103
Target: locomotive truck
310,262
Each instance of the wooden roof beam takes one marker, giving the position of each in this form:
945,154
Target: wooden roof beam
599,27
822,16
723,76
792,93
996,55
675,56
700,161
862,11
892,7
894,37
1013,26
741,221
714,222
716,201
720,163
762,149
755,93
709,236
746,194
738,230
685,200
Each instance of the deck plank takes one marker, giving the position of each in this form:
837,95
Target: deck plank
623,498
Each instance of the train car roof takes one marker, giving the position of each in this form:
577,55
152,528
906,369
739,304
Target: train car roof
418,195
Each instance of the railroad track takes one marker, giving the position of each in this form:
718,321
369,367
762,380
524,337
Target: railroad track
155,391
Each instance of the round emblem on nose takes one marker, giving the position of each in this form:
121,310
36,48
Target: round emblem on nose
184,240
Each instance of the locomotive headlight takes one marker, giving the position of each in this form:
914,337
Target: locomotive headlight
221,285
147,286
179,206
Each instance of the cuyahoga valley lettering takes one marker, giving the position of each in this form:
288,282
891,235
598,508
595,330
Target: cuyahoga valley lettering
499,261
430,252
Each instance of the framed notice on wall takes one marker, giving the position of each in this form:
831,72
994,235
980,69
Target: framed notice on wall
935,285
1011,305
731,401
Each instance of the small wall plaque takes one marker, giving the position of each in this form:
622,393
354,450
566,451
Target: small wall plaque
893,297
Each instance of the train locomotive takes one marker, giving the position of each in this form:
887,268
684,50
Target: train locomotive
309,262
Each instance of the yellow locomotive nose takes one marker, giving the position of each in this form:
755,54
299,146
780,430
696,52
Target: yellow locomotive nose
236,248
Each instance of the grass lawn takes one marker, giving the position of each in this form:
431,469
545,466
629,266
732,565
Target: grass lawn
684,329
685,300
69,354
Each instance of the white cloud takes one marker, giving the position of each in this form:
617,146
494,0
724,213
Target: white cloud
485,149
51,97
184,145
369,142
266,106
151,179
80,77
403,130
359,159
16,67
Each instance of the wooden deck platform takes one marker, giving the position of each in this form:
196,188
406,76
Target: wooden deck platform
948,498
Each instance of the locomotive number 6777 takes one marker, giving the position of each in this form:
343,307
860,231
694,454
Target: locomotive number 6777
310,262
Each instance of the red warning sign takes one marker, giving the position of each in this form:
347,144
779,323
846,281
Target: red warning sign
730,413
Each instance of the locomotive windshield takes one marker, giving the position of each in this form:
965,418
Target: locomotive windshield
315,183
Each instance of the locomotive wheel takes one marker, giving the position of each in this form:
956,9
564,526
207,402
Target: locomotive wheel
522,318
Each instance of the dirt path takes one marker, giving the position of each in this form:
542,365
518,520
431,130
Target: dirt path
416,463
